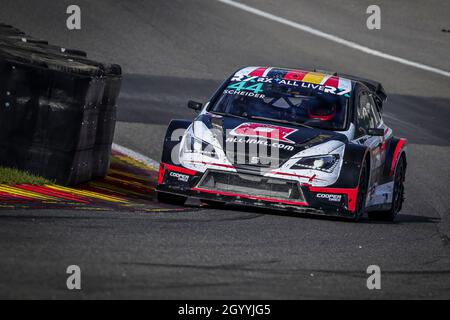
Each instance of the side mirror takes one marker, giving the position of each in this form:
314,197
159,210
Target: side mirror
378,132
197,106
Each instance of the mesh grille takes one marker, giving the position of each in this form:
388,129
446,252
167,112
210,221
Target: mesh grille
252,185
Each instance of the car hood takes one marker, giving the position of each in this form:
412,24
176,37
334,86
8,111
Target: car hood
255,143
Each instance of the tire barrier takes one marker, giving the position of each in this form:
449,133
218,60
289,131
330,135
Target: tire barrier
57,109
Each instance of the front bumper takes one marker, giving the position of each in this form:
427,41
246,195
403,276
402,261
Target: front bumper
255,190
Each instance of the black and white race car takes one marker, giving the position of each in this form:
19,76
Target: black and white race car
296,140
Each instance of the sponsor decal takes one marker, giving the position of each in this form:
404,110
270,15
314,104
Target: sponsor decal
260,142
244,93
179,176
247,86
242,79
312,81
330,197
260,130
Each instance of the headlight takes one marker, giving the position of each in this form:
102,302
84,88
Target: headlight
194,142
194,145
325,163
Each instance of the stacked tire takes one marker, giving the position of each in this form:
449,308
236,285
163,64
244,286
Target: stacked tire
57,109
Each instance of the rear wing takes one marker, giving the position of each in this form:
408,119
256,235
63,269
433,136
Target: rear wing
375,86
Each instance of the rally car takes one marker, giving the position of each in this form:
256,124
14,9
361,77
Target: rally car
288,139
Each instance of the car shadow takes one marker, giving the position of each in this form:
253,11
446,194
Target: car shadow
402,218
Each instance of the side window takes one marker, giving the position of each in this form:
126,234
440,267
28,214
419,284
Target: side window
367,115
375,112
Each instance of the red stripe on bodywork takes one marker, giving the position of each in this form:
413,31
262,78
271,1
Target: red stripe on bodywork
161,173
295,75
230,194
351,193
257,72
179,169
398,148
295,175
213,164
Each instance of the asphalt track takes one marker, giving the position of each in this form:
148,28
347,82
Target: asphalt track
172,51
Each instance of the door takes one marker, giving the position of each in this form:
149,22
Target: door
368,117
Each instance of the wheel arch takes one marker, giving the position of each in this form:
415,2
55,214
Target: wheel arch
396,150
172,139
355,155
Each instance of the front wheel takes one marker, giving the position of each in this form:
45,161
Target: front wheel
362,193
169,198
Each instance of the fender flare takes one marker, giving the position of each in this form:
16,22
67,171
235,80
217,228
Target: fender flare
354,157
174,133
348,182
394,151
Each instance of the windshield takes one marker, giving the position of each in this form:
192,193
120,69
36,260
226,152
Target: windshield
277,100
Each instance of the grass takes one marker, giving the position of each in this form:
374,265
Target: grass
14,176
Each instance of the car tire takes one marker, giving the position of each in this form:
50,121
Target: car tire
169,198
397,198
362,194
